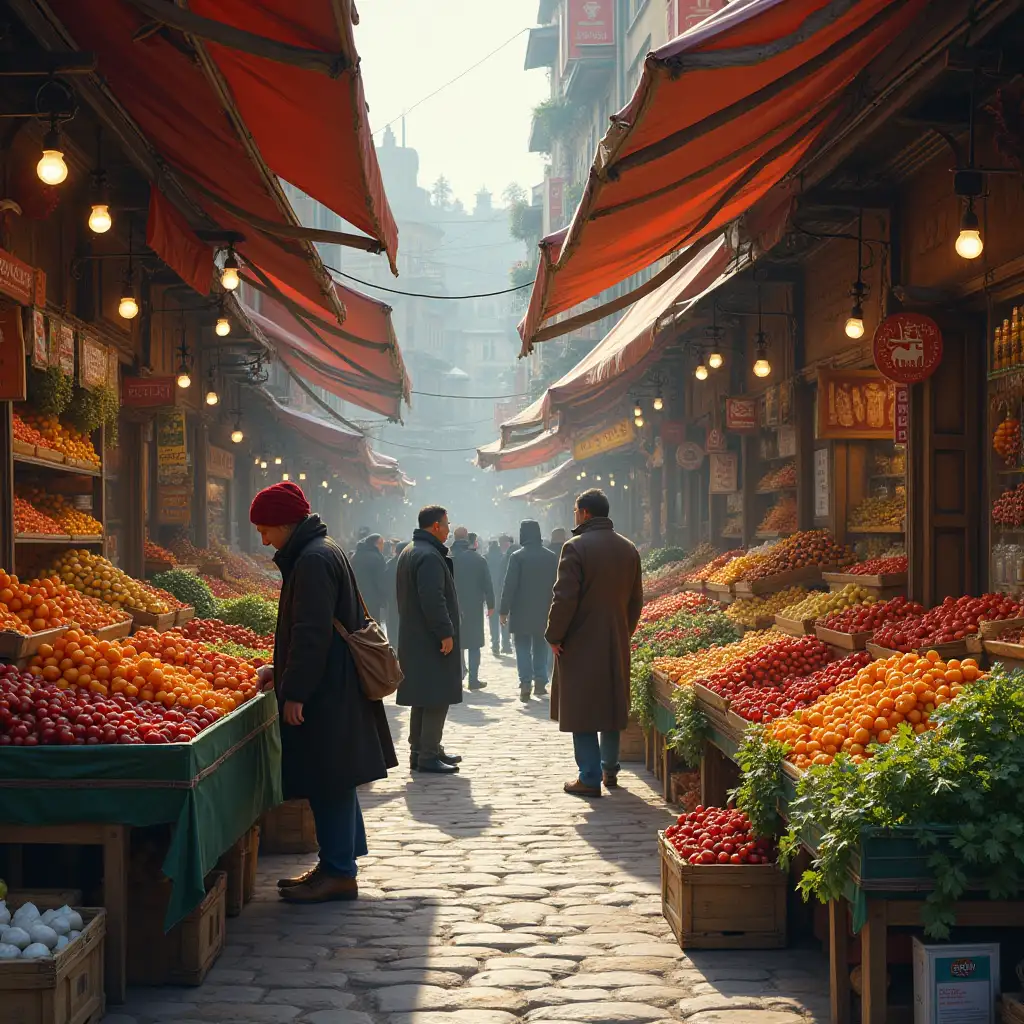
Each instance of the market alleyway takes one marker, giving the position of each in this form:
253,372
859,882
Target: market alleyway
490,897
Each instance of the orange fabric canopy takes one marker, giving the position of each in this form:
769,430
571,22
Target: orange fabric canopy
721,115
538,450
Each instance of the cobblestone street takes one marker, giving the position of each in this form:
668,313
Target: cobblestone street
490,897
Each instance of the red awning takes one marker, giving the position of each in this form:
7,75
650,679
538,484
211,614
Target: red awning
171,237
177,95
721,115
358,361
540,449
548,486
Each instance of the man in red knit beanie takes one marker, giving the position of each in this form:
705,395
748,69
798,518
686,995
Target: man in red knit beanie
333,738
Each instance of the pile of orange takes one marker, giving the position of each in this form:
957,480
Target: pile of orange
78,660
62,512
221,671
28,519
688,668
28,607
61,438
871,707
29,435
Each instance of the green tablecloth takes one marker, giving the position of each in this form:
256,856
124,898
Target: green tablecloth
212,790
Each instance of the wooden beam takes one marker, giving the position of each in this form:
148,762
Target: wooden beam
25,65
210,30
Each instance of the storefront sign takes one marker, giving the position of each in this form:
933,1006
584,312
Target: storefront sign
715,441
113,368
771,407
741,414
901,434
606,440
220,462
19,281
556,202
684,14
855,404
12,353
787,442
689,455
673,432
908,347
147,392
40,353
821,497
171,453
724,473
175,504
92,361
66,350
589,23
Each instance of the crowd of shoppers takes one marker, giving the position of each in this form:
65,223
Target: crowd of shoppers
577,598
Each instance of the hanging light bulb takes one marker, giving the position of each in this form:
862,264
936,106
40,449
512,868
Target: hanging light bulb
659,403
128,308
263,464
701,372
625,487
598,478
638,421
715,360
51,167
257,461
184,380
302,476
284,476
229,278
638,410
583,473
99,218
969,244
323,484
762,368
237,435
277,460
344,497
212,398
223,327
855,323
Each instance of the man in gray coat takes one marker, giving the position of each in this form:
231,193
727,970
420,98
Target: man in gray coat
428,641
473,585
596,606
525,599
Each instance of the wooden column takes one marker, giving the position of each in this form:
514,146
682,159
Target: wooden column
7,484
839,969
873,947
133,490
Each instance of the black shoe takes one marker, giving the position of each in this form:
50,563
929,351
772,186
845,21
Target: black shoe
495,651
414,762
450,758
506,650
478,685
437,767
524,694
540,690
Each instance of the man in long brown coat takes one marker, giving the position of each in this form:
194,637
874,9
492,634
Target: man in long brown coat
596,606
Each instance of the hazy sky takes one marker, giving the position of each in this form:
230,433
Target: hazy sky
476,131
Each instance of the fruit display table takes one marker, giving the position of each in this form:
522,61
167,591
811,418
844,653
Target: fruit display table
211,790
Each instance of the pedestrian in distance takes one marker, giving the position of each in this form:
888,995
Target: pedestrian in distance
473,585
595,607
508,547
525,600
333,738
558,538
391,592
370,567
495,557
428,641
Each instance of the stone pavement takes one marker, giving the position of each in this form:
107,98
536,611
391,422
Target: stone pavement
489,897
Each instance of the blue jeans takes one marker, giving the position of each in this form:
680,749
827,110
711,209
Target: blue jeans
594,754
494,625
339,831
506,643
473,656
532,659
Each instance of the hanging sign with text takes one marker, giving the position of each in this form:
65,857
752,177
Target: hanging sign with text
92,361
855,404
21,282
689,455
175,504
40,352
741,414
171,453
147,392
908,347
66,350
716,441
12,353
724,473
821,491
901,434
220,463
606,440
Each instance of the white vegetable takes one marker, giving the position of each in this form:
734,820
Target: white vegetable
48,916
60,925
74,918
35,952
25,915
5,914
43,933
9,952
17,937
74,934
62,941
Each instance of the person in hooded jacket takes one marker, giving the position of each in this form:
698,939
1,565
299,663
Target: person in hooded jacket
525,600
494,558
391,592
508,548
473,585
333,738
370,567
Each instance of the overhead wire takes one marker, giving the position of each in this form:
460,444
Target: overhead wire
426,295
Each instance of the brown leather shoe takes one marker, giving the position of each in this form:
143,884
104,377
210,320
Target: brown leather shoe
322,888
611,780
577,788
290,883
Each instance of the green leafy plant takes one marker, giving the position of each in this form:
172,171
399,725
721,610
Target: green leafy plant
760,760
188,587
958,790
252,611
658,557
641,689
92,408
691,731
50,390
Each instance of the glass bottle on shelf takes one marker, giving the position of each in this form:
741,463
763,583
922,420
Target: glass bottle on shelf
1015,337
995,363
1006,343
998,566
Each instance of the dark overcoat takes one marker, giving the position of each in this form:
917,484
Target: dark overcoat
391,603
344,740
596,606
495,559
526,593
370,567
475,589
428,609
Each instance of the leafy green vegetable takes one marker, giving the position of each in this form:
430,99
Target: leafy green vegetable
188,587
662,556
253,611
50,390
691,731
241,651
760,760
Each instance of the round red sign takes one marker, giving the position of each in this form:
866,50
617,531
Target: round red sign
689,455
908,347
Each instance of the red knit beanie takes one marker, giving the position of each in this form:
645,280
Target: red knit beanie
279,505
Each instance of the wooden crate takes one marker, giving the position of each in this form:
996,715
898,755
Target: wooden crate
879,652
664,691
632,743
161,623
114,632
234,863
780,581
685,789
994,628
848,641
722,906
723,592
66,988
709,698
14,646
889,581
288,828
22,447
49,455
795,627
184,615
185,954
44,899
1013,1008
251,864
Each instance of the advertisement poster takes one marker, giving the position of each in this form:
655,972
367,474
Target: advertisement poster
715,441
741,414
171,453
175,504
787,442
615,436
66,349
855,405
724,473
92,361
821,495
902,426
40,351
590,23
